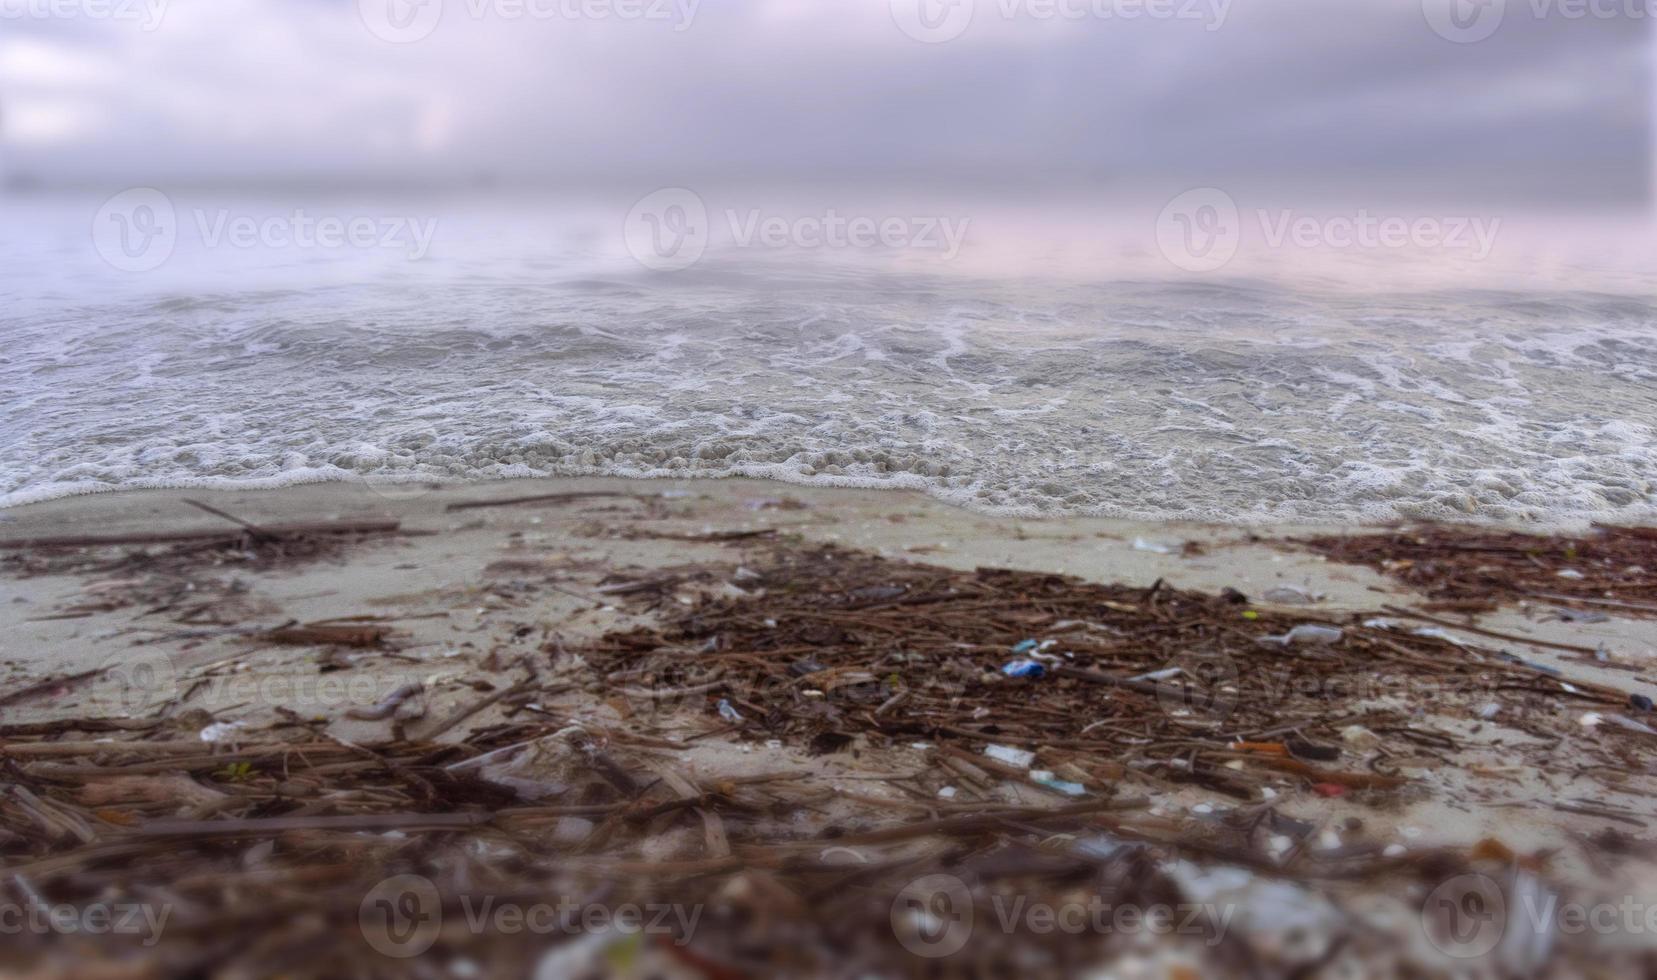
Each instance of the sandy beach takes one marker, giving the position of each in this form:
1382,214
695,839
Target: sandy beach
473,587
900,490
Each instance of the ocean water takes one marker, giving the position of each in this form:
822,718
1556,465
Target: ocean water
526,342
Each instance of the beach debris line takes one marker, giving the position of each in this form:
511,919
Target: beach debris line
1153,686
578,773
187,574
1466,569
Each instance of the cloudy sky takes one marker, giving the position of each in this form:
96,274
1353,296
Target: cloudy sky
1326,93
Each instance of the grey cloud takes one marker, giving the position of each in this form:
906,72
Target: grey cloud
1337,93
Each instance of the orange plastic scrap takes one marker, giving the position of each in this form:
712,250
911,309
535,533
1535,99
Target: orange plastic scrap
1491,849
1279,749
1494,850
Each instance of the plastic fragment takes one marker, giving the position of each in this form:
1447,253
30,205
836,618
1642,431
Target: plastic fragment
1053,782
220,731
1155,548
1308,634
1100,846
1540,668
729,713
1021,758
1026,669
572,830
1160,675
1622,721
1293,595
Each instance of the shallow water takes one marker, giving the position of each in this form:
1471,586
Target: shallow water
526,346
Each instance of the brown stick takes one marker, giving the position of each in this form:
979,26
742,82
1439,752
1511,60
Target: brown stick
543,498
48,684
1096,677
281,825
469,710
202,534
232,518
1452,624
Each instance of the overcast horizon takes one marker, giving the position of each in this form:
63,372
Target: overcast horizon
1355,98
